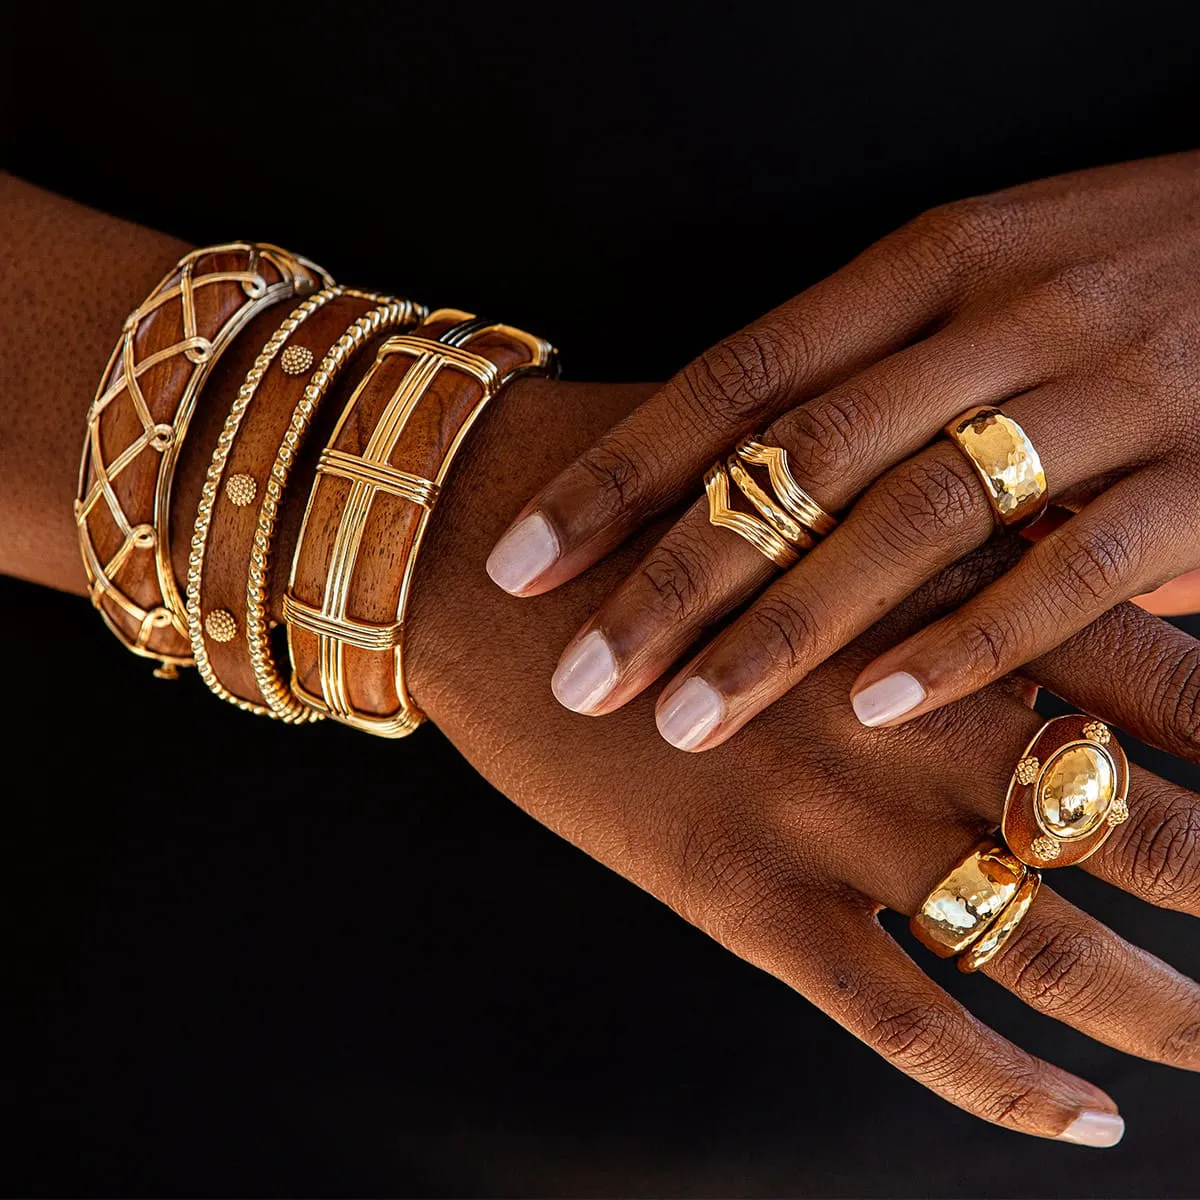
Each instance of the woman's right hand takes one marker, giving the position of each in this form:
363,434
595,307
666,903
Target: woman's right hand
785,844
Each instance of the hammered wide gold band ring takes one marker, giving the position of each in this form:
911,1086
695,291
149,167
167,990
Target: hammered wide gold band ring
973,912
783,521
1005,460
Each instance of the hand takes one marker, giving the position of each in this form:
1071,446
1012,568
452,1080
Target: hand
785,844
1074,302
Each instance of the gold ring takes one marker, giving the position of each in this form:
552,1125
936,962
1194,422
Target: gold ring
788,492
1005,925
964,906
775,516
1067,793
760,535
1005,459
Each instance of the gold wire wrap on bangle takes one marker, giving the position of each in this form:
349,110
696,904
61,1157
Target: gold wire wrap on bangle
279,696
759,534
162,629
993,939
791,496
370,473
791,531
957,913
1005,460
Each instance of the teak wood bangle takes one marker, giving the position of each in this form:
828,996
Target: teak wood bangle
137,423
227,590
377,482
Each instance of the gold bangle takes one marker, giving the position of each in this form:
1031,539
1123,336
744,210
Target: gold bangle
760,535
1067,793
278,695
779,519
1005,460
1005,925
968,900
419,401
788,492
140,601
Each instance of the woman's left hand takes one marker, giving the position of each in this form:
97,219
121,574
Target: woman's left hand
1074,303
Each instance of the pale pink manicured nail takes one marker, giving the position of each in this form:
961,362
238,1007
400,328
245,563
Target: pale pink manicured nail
690,714
585,674
889,698
1093,1128
523,553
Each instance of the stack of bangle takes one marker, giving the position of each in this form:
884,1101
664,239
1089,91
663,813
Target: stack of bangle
368,507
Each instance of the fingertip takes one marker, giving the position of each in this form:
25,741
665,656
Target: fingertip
525,552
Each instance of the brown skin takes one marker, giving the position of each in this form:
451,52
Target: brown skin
750,843
1075,302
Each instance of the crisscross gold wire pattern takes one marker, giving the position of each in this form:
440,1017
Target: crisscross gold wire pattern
263,275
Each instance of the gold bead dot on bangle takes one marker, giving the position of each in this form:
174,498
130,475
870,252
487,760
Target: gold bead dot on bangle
296,359
221,625
241,489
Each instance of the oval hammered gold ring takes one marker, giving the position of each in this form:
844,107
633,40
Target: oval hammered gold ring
1005,460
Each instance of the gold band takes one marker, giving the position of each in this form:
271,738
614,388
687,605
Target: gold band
760,535
798,503
957,913
1005,460
779,519
1005,925
1067,793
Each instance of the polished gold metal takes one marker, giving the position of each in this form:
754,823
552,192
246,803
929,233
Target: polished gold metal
1005,460
759,534
389,313
972,896
221,625
1068,791
369,474
241,490
164,417
777,517
1002,928
798,503
295,360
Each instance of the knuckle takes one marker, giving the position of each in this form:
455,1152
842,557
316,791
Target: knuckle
1164,853
677,578
733,383
929,498
985,643
780,630
1090,563
1176,700
973,232
912,1033
1056,970
1017,1105
1182,1045
618,478
1090,289
826,437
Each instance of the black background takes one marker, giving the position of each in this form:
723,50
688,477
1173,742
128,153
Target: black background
267,977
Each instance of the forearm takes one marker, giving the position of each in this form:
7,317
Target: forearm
69,276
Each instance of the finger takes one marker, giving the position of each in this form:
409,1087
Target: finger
916,520
872,307
1158,667
1123,543
1155,854
1061,961
837,444
1068,965
1176,597
871,987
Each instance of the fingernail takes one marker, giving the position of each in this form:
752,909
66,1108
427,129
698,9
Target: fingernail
523,554
889,698
585,674
689,716
1093,1128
